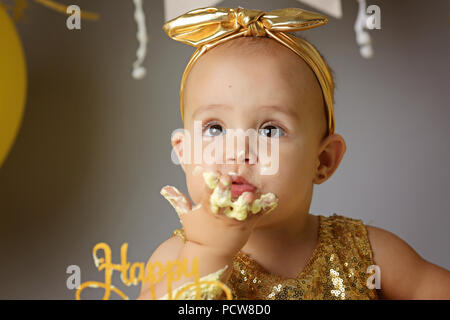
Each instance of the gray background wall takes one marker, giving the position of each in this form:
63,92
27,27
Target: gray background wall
94,147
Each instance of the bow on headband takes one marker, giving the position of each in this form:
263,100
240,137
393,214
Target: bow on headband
205,28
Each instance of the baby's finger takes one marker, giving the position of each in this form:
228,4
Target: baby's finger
211,180
178,200
225,182
249,197
220,199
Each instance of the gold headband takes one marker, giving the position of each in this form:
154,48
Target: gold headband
205,28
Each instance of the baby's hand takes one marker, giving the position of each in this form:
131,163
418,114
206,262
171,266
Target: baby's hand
217,222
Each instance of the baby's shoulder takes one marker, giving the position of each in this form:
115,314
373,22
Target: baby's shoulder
383,243
168,250
373,240
405,274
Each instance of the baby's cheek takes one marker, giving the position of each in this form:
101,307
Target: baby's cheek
288,182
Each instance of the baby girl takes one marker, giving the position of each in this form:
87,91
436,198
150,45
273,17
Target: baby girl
253,230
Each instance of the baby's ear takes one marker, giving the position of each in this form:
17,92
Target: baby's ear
177,141
331,151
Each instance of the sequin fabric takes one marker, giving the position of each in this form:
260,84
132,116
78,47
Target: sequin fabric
336,269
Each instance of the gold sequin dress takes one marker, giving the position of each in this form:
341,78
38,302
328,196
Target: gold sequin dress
335,270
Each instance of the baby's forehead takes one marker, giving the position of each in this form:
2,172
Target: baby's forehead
260,57
259,64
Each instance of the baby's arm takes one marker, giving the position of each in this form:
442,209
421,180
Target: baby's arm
213,235
169,250
405,274
174,249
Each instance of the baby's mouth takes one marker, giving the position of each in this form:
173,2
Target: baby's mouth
240,185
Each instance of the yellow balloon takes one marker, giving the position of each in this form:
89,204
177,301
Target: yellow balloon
13,82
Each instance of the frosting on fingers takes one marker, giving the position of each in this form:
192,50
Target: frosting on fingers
178,202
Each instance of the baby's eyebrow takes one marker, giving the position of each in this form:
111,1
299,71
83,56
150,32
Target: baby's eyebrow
286,110
263,108
209,107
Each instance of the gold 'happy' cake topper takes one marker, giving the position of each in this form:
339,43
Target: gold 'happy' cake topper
207,287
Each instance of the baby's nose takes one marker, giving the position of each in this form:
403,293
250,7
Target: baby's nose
241,147
244,155
239,157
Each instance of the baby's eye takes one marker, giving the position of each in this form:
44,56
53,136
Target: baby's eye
272,131
213,129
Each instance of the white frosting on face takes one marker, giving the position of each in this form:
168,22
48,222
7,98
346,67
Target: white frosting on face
220,199
211,179
267,201
240,208
197,170
226,182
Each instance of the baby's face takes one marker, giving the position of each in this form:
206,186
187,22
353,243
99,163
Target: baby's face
271,90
